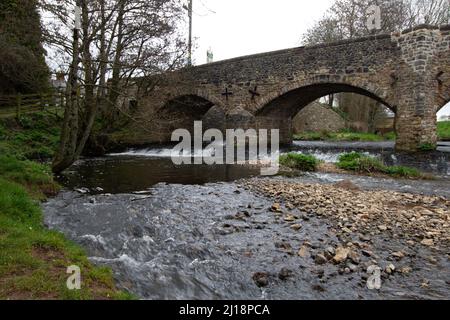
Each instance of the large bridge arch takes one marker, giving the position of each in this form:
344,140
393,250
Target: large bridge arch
293,99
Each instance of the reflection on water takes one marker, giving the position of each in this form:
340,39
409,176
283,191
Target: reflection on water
127,174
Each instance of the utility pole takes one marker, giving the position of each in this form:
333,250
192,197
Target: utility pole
190,34
73,77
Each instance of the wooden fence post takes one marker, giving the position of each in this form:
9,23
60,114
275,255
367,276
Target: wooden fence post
18,105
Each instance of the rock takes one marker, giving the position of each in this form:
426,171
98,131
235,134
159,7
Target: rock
82,190
296,227
261,279
276,207
367,253
354,257
285,273
303,252
285,246
382,227
330,250
405,270
290,218
390,269
399,255
352,267
346,230
320,259
341,255
427,242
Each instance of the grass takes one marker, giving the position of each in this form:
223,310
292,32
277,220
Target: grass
443,129
307,163
361,163
33,136
33,259
344,135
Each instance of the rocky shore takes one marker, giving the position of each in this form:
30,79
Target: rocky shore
380,233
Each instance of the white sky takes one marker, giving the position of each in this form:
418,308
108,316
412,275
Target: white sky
234,28
242,27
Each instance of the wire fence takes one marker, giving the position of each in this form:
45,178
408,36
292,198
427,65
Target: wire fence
17,105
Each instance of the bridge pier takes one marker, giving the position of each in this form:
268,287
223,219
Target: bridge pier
415,132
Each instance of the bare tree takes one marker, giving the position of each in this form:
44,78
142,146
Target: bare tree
120,41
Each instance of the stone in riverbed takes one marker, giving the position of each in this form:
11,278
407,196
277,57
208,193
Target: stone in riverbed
296,227
276,207
427,242
303,252
320,259
261,279
390,269
341,255
285,273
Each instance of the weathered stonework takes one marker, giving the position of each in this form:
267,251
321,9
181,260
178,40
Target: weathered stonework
409,72
317,117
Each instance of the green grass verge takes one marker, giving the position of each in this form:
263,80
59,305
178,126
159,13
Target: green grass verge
307,163
33,259
443,129
358,162
343,136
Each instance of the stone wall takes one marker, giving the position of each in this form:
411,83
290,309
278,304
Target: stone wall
317,117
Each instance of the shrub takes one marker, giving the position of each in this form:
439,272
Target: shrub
299,161
401,171
358,162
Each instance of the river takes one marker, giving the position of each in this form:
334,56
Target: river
195,232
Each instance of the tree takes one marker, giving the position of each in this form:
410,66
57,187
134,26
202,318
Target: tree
123,40
22,57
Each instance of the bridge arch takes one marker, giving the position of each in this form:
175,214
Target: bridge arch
290,100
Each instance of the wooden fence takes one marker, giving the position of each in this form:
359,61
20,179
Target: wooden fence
16,105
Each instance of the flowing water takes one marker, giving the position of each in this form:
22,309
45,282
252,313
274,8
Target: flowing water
192,232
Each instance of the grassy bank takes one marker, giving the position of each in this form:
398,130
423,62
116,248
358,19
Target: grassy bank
361,163
343,136
444,130
33,259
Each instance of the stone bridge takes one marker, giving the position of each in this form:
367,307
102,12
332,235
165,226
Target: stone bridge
409,72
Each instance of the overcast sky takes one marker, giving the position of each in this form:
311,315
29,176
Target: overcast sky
241,27
234,28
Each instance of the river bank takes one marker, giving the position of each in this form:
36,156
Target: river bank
33,259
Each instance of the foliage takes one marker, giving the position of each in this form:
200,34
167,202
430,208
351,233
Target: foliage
425,147
344,135
444,130
299,161
34,137
22,57
359,162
